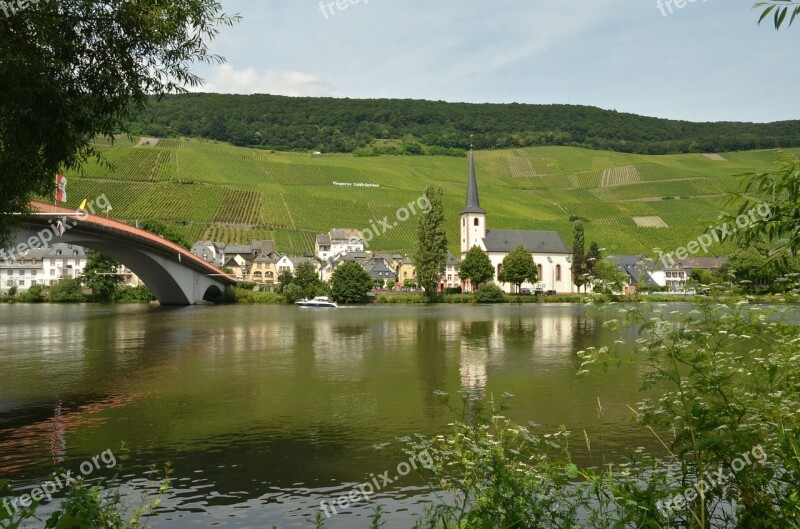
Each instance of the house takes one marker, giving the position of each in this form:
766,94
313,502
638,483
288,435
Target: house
674,274
337,242
262,270
379,269
450,278
42,266
287,263
236,266
637,269
213,252
240,259
553,258
406,271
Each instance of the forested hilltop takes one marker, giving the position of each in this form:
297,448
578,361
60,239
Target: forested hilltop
394,126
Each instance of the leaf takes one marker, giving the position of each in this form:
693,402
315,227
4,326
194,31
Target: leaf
780,14
766,12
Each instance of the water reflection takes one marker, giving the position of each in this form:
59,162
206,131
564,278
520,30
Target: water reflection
269,409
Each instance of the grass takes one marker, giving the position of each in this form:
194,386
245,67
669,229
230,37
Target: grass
213,190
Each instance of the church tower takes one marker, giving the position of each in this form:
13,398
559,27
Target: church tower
473,218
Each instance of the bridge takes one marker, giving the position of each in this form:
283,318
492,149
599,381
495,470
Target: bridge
174,275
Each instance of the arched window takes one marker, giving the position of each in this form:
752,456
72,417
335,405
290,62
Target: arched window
558,272
477,221
540,272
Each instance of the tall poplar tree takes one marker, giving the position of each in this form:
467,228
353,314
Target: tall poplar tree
578,255
430,256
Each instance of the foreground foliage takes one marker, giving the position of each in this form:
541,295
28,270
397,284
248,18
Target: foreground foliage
101,505
84,68
723,386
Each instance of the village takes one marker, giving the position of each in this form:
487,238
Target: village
261,264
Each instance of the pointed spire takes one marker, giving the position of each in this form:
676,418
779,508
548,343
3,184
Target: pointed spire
473,201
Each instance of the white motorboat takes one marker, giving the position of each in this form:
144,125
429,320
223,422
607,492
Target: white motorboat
318,302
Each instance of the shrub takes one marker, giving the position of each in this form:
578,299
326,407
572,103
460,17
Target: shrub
66,291
248,296
33,295
489,293
292,293
140,294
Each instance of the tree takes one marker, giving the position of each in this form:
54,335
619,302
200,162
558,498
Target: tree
285,279
606,278
751,267
578,257
67,290
593,256
100,274
306,277
768,210
167,232
430,257
350,283
779,9
390,283
82,69
518,267
293,292
476,267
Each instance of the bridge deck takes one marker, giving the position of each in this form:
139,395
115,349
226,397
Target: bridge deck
124,231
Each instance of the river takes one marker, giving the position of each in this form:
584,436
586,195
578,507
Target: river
264,411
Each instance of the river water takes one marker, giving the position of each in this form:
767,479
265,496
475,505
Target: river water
265,411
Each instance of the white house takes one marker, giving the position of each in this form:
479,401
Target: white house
553,258
450,278
42,266
337,242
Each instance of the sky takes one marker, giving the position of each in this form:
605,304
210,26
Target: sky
701,60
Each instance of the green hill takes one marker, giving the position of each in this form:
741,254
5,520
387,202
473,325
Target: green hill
217,191
404,126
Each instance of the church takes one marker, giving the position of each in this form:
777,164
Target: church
553,258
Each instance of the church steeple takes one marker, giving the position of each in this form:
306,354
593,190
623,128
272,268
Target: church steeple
473,218
473,201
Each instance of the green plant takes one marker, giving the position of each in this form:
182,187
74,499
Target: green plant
489,293
140,294
292,293
32,295
728,382
498,474
66,291
350,283
98,506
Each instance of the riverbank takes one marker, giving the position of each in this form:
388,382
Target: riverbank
406,299
249,297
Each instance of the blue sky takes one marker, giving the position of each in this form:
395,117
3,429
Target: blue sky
705,61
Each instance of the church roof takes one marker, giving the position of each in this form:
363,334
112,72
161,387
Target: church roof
549,242
473,201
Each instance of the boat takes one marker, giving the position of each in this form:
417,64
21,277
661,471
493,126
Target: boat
319,302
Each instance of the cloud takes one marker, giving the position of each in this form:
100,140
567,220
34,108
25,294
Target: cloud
225,79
